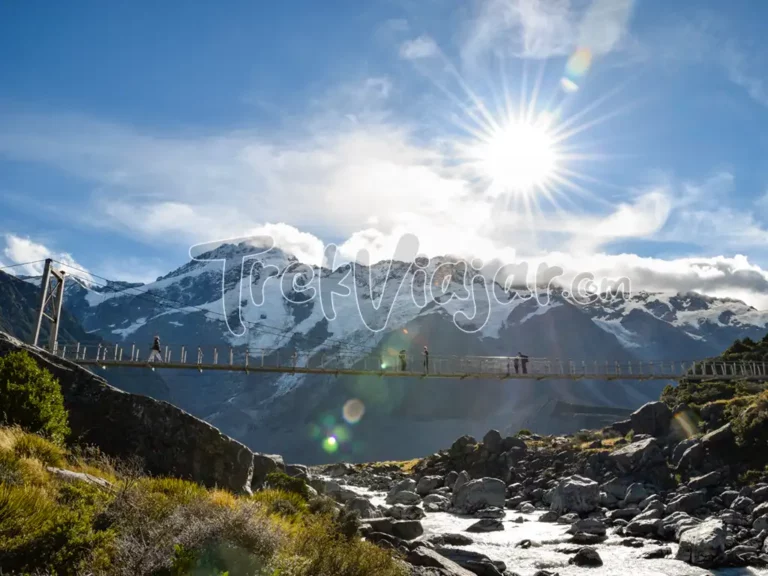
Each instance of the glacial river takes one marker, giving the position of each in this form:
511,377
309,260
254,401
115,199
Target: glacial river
618,560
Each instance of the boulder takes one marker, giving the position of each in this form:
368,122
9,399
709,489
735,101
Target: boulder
673,525
427,484
264,464
526,508
297,471
720,440
622,427
71,476
549,516
705,481
404,497
760,510
643,527
512,457
652,418
451,540
405,529
400,512
363,507
703,545
575,494
493,442
486,525
586,556
339,469
511,442
615,487
167,440
478,494
436,503
450,479
475,562
461,479
681,447
623,513
760,494
427,558
687,502
657,553
407,485
743,504
491,512
635,493
637,455
588,526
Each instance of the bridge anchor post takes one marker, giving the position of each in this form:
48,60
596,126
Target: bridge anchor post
51,298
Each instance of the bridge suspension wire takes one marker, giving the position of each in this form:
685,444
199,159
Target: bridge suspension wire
388,365
169,303
22,264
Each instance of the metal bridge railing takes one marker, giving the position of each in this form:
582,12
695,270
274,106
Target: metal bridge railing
390,363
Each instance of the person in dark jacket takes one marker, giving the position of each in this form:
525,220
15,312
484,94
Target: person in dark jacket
426,360
516,363
155,351
402,360
523,362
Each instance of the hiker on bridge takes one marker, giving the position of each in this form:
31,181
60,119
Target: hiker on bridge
516,364
402,357
426,360
155,351
523,362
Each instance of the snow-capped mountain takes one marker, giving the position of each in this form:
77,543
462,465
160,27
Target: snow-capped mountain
273,304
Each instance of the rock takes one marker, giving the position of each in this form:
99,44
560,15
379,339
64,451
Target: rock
705,481
491,512
635,493
687,502
475,562
674,524
400,512
511,442
729,496
586,556
404,497
524,544
588,526
493,442
264,464
692,458
167,440
450,479
339,469
429,558
548,516
760,510
405,529
407,485
650,514
297,471
733,518
680,449
478,494
569,518
760,494
575,494
364,507
463,446
743,504
637,455
436,502
587,539
427,484
720,439
451,540
615,487
461,479
646,527
703,545
623,513
652,418
622,427
526,508
486,525
71,476
633,542
656,553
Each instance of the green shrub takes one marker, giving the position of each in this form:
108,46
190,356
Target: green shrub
322,505
525,432
281,481
31,397
280,502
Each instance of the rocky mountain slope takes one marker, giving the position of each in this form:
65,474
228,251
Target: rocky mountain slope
383,311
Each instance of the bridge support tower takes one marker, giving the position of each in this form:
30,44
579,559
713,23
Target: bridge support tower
51,298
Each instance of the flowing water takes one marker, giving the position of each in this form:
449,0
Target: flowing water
618,560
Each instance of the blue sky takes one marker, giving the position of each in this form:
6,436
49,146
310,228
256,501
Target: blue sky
129,131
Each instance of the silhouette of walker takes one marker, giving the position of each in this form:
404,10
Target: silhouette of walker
426,360
154,354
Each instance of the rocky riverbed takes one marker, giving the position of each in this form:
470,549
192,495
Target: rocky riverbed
651,503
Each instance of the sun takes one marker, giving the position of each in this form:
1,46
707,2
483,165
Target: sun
519,156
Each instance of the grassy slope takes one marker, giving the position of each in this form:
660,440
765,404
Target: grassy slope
161,526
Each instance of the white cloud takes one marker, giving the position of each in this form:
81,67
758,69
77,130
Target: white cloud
421,47
19,250
535,29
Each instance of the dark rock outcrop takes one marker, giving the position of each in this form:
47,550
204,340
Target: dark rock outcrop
168,441
652,418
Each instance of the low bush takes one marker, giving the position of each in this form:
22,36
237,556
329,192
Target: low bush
32,446
280,502
31,397
281,481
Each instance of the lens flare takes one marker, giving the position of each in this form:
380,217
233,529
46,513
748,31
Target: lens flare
579,63
353,411
330,444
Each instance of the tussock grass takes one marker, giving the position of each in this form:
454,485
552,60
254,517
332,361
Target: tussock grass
165,526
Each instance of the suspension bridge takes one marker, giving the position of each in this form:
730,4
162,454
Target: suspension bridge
358,361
